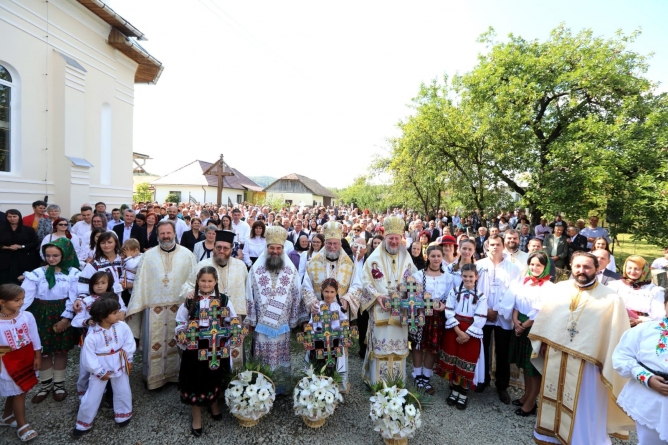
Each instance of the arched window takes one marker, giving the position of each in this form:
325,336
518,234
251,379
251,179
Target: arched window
5,119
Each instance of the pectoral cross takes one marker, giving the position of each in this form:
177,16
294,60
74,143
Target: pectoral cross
572,330
165,280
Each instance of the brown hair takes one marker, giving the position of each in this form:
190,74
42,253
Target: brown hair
258,224
10,291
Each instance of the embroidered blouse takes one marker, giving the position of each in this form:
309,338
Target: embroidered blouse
101,350
36,286
438,287
528,298
465,307
646,302
19,332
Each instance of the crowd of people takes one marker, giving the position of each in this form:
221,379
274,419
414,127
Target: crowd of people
162,280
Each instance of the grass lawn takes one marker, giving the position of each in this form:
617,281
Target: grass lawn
628,247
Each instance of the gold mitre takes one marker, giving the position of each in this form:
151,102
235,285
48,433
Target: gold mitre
332,230
394,225
276,235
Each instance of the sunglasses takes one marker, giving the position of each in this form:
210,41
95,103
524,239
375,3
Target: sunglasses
62,224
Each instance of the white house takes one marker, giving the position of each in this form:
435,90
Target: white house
191,185
298,189
68,70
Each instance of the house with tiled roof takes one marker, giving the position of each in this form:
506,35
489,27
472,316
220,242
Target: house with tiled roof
299,190
191,185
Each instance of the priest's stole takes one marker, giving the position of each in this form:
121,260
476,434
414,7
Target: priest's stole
562,375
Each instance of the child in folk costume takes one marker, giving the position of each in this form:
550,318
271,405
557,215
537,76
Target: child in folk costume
107,356
203,362
428,338
20,357
462,360
528,301
107,258
642,357
49,294
100,284
130,251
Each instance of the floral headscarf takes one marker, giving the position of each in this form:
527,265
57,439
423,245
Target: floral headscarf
69,259
544,275
645,276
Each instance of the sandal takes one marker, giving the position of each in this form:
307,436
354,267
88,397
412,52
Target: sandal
59,391
452,398
3,422
427,386
28,435
419,382
42,394
462,401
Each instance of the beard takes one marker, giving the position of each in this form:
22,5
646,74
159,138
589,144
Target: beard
512,245
331,255
221,260
583,278
391,250
274,263
167,244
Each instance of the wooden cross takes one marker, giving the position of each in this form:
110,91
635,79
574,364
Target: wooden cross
411,304
428,304
306,337
218,169
395,304
348,334
236,332
192,335
212,353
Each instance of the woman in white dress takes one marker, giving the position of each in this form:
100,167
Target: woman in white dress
642,298
60,229
642,357
256,244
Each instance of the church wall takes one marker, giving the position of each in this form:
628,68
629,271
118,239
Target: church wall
63,83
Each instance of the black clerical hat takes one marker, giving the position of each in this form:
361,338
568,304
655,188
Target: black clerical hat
225,235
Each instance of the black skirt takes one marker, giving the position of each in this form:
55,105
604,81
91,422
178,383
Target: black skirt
198,384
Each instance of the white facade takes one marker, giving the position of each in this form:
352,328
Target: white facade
71,108
199,194
306,199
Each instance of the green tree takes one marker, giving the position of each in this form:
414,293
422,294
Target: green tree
364,194
173,198
142,193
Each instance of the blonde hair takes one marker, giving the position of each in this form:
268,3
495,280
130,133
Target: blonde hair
130,244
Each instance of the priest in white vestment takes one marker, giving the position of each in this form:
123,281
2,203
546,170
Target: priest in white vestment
573,338
387,339
333,262
154,303
232,275
274,306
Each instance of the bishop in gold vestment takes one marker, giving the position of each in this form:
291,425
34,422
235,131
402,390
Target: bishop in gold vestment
580,327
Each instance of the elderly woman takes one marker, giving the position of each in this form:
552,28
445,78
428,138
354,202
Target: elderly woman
643,300
46,225
204,249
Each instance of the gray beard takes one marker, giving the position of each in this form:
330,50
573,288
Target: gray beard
391,251
221,261
274,263
331,255
166,245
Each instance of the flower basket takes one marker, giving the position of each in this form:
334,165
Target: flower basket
395,413
315,398
250,396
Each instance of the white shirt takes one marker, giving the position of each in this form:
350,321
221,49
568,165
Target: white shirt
519,259
648,300
80,229
181,227
254,248
598,232
126,233
660,263
242,230
498,281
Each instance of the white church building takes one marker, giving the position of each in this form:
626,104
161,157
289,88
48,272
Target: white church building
68,70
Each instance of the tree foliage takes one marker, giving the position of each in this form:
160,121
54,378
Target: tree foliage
142,193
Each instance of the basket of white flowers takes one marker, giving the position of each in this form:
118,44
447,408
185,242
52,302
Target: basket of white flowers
250,395
316,396
395,412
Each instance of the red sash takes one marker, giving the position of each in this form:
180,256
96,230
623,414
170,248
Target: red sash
19,366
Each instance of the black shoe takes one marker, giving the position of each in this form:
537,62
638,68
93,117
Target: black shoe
195,432
452,398
217,417
78,433
517,402
504,397
481,388
462,402
520,412
124,423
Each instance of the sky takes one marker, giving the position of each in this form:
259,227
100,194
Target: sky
317,88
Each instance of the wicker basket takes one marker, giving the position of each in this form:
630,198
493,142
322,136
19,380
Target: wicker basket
245,422
403,441
313,423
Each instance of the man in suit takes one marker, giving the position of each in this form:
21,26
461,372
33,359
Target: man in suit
555,245
434,232
415,233
603,274
129,229
296,232
576,242
480,242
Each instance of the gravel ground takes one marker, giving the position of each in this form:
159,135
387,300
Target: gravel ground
159,418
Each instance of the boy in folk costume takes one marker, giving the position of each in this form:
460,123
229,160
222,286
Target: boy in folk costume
107,355
463,357
131,254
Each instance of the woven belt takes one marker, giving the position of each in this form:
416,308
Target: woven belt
659,373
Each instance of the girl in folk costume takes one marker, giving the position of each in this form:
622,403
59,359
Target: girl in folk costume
107,258
643,300
88,250
50,292
100,283
462,358
202,363
107,356
427,340
20,357
528,299
642,356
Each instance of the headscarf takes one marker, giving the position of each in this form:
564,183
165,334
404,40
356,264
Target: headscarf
69,259
645,276
55,227
544,275
418,261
